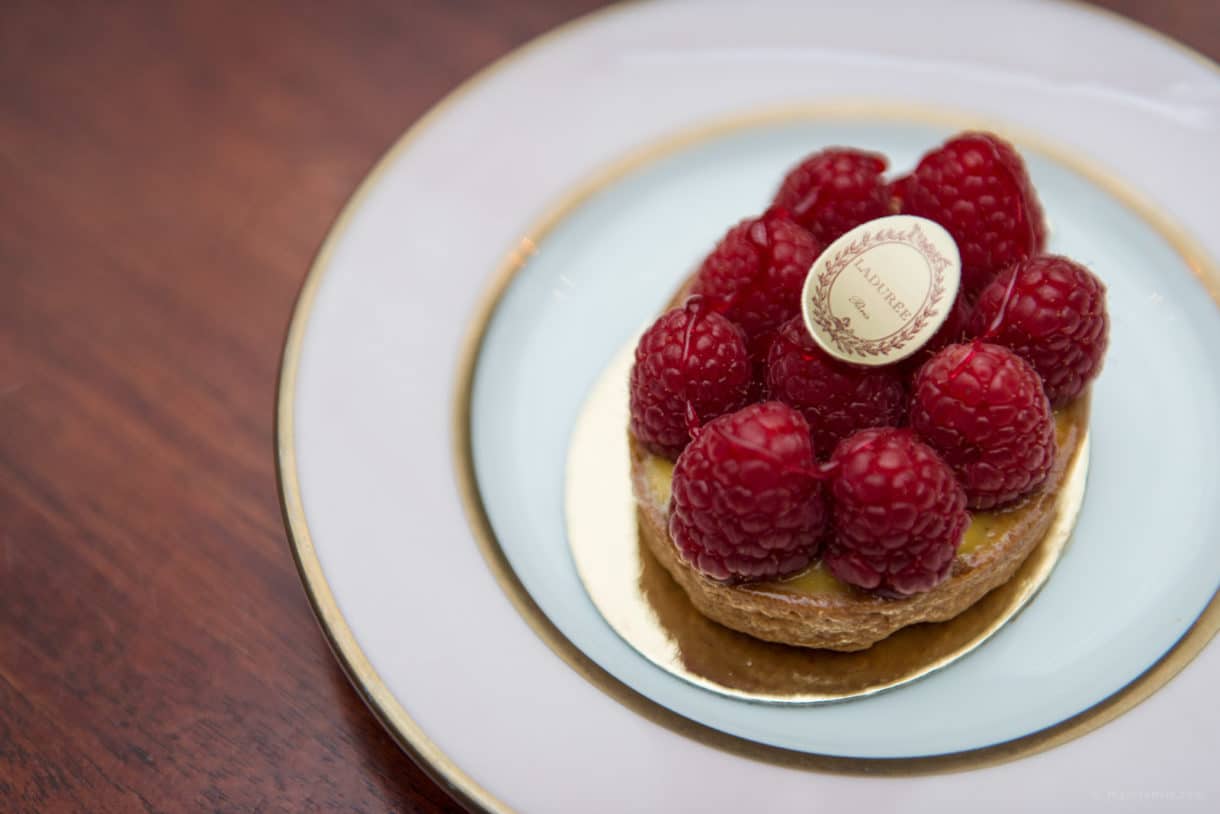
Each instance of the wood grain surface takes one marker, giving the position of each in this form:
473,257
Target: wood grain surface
167,171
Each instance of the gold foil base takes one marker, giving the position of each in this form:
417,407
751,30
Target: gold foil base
651,612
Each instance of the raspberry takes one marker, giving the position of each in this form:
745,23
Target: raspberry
899,513
755,274
691,359
1054,318
835,190
976,186
982,408
836,398
746,504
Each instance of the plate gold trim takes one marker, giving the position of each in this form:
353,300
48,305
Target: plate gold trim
340,638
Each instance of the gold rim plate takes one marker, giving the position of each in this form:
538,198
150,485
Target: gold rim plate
389,710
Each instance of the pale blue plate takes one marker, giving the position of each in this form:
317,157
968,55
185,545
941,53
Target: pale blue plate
1144,560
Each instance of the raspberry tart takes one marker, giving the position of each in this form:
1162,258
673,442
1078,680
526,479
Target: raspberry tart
808,501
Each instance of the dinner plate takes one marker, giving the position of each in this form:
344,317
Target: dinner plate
486,273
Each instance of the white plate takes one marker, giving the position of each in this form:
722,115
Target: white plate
610,155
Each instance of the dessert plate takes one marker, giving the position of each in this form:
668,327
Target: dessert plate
483,277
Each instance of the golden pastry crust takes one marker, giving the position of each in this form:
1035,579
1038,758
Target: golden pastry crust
845,618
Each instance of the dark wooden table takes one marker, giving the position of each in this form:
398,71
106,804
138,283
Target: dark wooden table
167,171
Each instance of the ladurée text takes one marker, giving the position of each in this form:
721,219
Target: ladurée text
884,292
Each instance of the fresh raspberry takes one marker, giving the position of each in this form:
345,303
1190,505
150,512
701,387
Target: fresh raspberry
899,513
976,186
1054,317
836,398
835,190
692,360
746,504
982,408
755,275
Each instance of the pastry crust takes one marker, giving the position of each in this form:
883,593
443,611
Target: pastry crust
845,618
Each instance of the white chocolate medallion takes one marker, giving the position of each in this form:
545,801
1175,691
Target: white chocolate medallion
877,294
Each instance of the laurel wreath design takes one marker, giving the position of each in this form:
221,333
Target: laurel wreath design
838,329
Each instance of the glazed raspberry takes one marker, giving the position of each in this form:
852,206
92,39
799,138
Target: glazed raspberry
835,190
899,513
755,275
982,408
1054,318
690,356
745,503
836,398
976,186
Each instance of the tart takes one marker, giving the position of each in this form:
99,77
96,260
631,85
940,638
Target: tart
811,502
815,609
